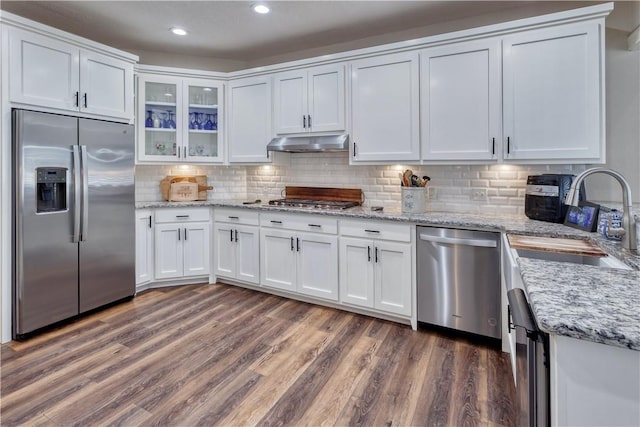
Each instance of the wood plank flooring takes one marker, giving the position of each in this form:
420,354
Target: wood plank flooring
207,355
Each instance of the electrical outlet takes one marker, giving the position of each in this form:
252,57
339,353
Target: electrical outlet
479,195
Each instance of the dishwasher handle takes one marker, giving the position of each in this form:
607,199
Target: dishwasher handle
481,243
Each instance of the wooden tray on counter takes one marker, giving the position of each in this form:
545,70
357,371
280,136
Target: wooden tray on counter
324,193
555,244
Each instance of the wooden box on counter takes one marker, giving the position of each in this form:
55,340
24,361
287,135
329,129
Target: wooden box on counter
200,194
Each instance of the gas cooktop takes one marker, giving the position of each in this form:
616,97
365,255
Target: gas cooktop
314,204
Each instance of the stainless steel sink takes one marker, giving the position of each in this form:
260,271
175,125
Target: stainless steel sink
605,261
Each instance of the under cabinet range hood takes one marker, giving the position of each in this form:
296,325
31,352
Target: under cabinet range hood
310,144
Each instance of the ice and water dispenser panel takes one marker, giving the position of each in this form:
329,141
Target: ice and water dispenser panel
51,191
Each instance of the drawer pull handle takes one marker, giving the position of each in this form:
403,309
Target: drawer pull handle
233,217
276,222
372,231
368,253
182,216
315,225
291,243
231,234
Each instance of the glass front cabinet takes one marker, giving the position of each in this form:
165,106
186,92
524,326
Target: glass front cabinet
178,120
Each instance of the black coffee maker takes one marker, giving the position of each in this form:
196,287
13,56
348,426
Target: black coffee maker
545,196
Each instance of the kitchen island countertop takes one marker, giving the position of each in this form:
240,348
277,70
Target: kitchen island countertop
591,303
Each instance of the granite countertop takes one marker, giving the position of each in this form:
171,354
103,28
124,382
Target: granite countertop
585,302
591,303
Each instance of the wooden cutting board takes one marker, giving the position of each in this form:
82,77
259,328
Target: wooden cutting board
555,244
324,193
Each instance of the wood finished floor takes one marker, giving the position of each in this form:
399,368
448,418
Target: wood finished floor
208,355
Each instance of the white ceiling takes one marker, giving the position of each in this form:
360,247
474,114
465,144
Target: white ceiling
231,30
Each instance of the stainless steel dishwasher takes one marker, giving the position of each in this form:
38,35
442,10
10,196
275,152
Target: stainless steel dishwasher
458,274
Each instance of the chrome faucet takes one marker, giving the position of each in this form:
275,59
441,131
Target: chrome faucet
629,240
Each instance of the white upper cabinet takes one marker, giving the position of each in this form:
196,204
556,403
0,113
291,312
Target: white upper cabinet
310,100
49,73
460,104
385,108
106,85
554,94
178,120
249,120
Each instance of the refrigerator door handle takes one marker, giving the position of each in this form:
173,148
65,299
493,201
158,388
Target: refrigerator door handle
76,192
85,194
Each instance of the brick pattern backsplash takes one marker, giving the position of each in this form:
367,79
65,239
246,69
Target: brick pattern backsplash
229,182
468,188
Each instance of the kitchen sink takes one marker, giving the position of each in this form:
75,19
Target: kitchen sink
600,261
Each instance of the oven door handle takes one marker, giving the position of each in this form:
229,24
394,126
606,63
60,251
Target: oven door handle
521,311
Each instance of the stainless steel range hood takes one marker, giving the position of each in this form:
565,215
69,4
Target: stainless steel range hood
310,144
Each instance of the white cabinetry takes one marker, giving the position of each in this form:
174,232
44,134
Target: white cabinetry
299,254
237,249
179,120
182,243
375,266
554,94
50,73
144,246
460,104
249,120
511,279
310,100
385,108
593,384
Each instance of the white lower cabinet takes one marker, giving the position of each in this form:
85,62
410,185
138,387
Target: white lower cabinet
144,246
376,273
182,243
299,261
236,238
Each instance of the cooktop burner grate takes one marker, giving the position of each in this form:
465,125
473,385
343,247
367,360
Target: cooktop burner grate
314,204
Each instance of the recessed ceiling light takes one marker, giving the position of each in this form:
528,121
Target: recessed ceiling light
178,31
260,8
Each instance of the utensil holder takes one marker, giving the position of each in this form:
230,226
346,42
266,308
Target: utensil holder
414,200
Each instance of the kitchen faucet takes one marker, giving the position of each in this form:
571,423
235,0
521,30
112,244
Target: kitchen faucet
629,240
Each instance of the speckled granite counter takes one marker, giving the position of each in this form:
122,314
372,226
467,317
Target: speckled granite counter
580,301
585,302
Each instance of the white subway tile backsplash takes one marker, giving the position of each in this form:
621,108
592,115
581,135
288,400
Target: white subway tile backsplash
450,188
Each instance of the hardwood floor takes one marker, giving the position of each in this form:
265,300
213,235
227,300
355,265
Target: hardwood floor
207,355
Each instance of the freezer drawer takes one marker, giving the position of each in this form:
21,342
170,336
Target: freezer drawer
458,279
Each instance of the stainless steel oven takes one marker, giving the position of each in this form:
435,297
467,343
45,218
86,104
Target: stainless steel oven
532,363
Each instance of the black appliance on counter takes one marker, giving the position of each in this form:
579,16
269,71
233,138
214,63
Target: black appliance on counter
545,196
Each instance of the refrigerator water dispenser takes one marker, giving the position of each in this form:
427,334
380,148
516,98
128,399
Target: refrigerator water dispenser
51,191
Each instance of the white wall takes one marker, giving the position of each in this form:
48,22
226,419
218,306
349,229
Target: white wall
623,122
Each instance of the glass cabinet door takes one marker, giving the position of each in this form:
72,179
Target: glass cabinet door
203,141
161,120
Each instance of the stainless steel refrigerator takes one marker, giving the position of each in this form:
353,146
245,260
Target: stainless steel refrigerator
73,217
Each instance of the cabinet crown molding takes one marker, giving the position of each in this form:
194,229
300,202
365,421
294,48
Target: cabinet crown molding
19,22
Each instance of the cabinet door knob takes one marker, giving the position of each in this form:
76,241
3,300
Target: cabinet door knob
85,100
185,233
368,253
149,221
304,122
376,254
291,243
77,99
236,235
309,121
178,234
231,235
